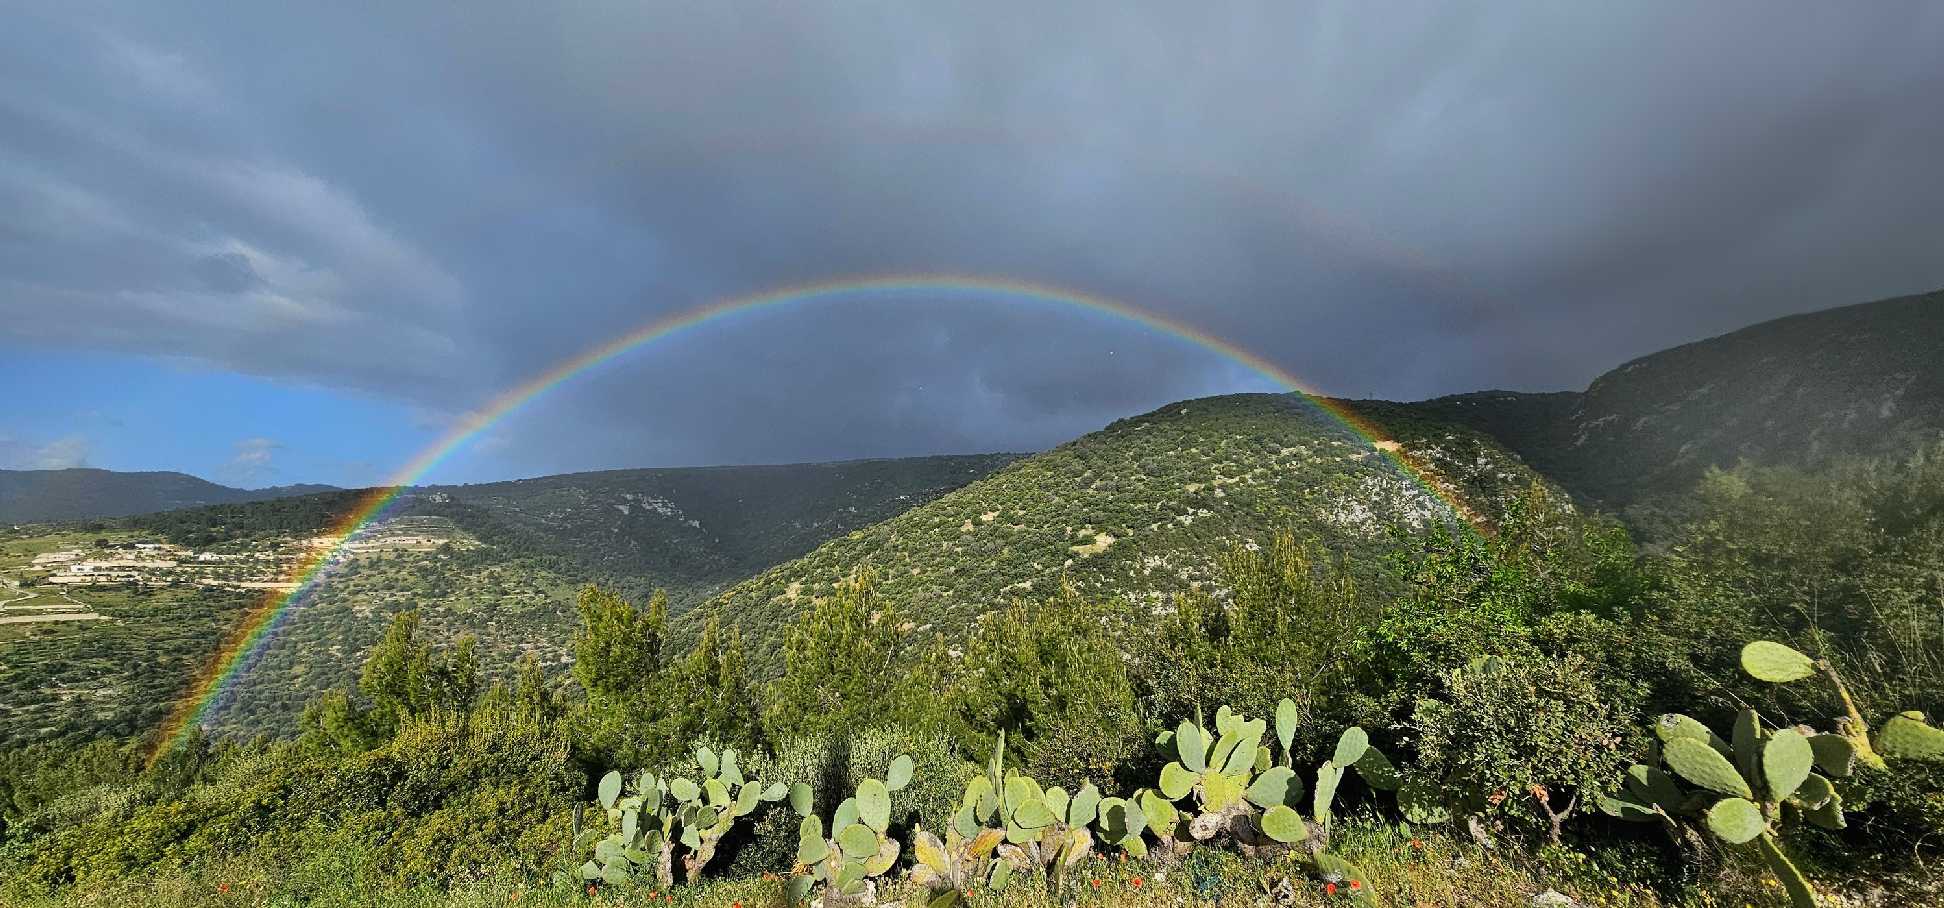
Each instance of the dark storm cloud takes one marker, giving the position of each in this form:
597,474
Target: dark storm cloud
432,201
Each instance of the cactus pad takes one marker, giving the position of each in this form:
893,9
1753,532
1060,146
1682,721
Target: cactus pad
1786,759
1736,821
1702,765
1767,660
1284,825
1909,737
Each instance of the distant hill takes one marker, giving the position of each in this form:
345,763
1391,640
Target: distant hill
1864,380
520,550
39,496
1141,509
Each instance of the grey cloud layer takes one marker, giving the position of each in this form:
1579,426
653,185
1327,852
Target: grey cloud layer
432,201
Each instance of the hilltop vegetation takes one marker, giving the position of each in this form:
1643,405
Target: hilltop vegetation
499,561
1801,391
1512,682
1138,512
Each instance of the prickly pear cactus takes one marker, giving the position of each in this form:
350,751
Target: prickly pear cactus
843,862
1006,824
659,815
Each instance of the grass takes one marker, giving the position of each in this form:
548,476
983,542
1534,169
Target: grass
1428,870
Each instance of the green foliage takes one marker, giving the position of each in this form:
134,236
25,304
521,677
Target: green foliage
841,659
660,815
844,859
404,678
1528,740
1141,511
446,798
1292,614
618,649
1051,675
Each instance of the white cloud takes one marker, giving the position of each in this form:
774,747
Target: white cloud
58,454
254,460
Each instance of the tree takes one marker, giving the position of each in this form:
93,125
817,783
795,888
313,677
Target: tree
617,651
403,678
838,663
1290,618
1051,675
714,699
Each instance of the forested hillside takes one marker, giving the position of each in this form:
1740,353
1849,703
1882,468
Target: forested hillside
1138,512
499,561
1797,391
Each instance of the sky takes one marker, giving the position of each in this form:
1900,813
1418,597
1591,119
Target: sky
277,243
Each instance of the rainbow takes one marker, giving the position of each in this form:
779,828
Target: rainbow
234,656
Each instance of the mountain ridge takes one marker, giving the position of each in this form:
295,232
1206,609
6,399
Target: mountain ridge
92,493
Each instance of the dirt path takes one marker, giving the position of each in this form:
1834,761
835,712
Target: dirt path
50,616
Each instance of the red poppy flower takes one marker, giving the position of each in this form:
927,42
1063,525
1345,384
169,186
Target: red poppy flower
222,887
1136,882
1355,885
1329,889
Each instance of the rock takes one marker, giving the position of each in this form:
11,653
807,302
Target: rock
1553,898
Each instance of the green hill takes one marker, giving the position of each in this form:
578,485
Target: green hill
1797,391
501,561
39,496
1139,511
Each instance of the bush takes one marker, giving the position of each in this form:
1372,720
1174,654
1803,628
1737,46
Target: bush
1525,740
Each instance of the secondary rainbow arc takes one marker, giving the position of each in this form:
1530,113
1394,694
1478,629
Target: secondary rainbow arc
235,654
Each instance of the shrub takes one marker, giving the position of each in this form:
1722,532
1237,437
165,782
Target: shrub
1528,740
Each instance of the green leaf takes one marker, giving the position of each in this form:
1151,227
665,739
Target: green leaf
1736,821
610,788
1702,765
899,775
1033,815
1084,806
1350,746
705,759
801,798
1279,785
1377,770
1770,661
1021,789
874,804
1785,762
683,790
1801,895
1327,777
1191,746
1284,825
1176,782
1814,792
846,814
1907,736
1286,717
1158,810
1835,754
858,841
1219,791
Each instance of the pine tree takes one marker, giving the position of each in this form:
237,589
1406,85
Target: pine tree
840,662
617,651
